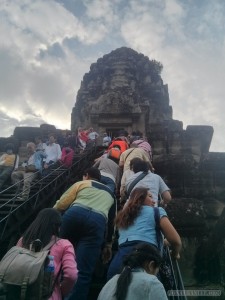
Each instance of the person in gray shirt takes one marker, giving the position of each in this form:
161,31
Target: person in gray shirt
138,278
110,172
152,181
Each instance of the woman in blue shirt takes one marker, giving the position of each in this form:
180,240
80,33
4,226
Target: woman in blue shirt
136,223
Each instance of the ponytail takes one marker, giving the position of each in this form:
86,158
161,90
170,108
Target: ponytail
123,283
141,254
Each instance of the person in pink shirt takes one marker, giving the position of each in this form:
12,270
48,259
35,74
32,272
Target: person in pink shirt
67,156
46,228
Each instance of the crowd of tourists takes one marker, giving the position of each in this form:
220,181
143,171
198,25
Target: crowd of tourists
39,159
42,154
120,200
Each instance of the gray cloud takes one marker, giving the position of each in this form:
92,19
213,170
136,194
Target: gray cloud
47,46
193,64
8,124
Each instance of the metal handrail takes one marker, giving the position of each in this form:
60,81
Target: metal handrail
178,281
22,180
43,186
59,168
15,184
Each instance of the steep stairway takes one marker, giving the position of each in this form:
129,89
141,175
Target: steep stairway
16,214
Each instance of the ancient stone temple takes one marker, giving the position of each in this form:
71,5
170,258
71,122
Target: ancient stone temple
124,90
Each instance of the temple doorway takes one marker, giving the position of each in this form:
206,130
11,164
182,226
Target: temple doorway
114,132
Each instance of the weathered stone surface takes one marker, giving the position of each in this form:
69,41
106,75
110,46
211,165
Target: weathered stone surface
29,133
4,141
124,90
23,135
118,91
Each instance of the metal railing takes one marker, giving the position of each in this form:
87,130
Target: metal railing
178,281
56,180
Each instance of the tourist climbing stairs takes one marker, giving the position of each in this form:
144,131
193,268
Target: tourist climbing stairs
16,214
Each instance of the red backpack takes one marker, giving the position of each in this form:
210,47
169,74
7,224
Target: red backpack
114,153
119,143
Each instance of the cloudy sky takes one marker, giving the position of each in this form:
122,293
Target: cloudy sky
48,45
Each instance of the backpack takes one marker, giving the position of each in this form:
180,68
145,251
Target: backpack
24,274
114,153
119,143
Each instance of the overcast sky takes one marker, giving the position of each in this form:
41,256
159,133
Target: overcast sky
47,46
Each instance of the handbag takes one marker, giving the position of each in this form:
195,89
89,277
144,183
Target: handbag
165,270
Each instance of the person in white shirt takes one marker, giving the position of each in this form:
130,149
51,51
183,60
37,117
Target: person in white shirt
53,152
93,135
39,144
106,140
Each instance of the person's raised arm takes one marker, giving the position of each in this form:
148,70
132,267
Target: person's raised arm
172,236
166,197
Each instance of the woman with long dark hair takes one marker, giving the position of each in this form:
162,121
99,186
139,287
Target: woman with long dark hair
138,278
136,223
46,229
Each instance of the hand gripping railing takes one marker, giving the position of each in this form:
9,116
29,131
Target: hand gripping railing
178,292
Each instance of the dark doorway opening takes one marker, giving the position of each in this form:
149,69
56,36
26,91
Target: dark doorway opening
114,132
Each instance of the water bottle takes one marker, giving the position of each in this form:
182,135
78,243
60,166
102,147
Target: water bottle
48,280
50,268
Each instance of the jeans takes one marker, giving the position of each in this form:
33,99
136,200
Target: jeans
51,164
85,229
109,182
116,264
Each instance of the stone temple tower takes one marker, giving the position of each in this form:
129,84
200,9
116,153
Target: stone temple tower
123,90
